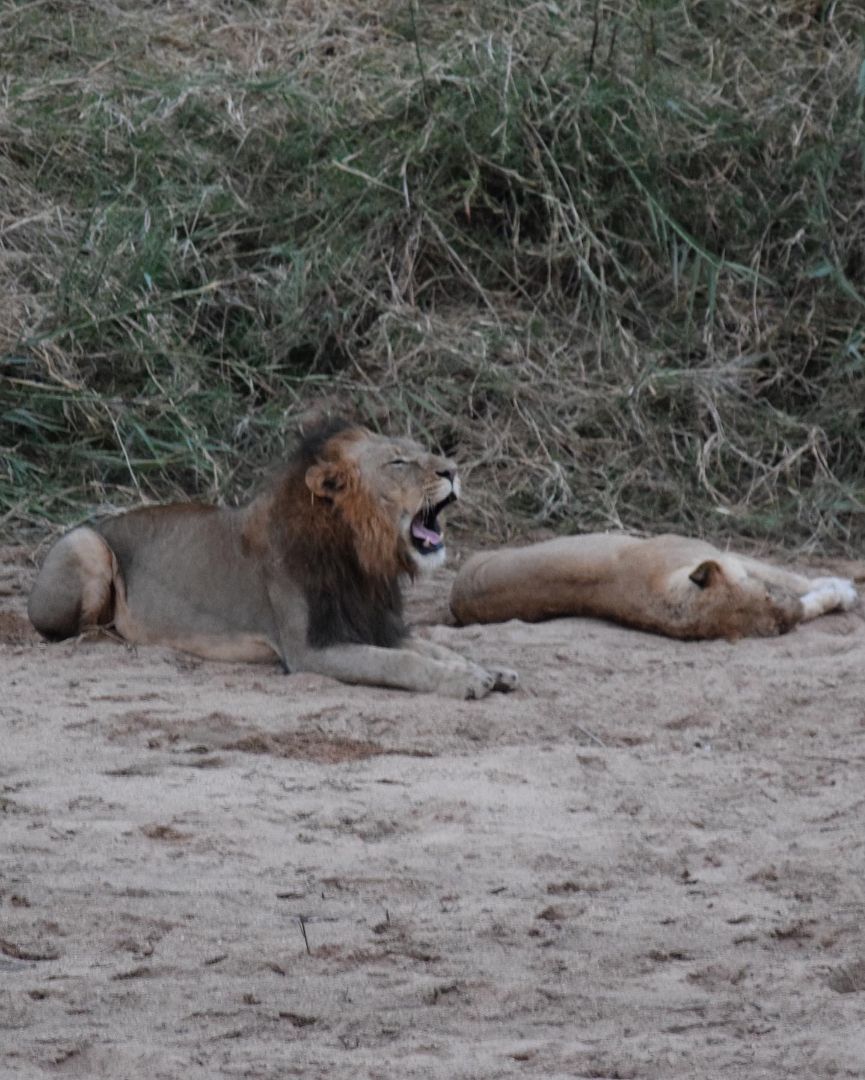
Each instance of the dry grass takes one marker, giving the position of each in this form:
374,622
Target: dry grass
608,253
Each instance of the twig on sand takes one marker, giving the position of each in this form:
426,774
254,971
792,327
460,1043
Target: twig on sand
590,735
302,921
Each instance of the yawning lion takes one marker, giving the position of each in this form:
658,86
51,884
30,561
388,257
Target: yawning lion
309,572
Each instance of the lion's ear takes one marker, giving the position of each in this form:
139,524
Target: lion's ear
707,574
327,479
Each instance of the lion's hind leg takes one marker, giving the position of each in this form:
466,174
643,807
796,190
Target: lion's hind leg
74,590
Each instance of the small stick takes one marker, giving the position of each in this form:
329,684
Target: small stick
590,735
302,922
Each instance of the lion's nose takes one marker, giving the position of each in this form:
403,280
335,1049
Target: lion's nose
446,474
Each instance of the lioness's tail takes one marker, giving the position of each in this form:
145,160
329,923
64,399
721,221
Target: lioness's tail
74,589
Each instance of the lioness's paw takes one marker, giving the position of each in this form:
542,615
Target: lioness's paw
842,588
505,679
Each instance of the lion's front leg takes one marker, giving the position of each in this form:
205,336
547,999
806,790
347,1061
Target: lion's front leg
399,669
505,678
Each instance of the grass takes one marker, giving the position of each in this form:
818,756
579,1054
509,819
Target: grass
608,253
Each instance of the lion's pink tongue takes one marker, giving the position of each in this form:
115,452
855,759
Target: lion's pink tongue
421,532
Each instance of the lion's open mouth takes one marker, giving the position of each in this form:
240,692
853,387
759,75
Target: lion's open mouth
426,532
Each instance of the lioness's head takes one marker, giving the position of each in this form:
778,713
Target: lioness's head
391,493
734,604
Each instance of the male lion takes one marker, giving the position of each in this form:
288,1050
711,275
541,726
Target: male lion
309,572
670,585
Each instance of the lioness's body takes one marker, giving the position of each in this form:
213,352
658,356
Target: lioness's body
308,573
671,585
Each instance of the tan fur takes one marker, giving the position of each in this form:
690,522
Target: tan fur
671,585
226,584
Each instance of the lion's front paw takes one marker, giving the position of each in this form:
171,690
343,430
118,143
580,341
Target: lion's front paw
468,683
505,678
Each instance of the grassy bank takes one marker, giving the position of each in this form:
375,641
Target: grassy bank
610,253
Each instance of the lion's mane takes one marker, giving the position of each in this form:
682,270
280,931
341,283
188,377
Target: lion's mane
340,546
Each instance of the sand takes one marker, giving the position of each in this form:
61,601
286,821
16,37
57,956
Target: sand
647,862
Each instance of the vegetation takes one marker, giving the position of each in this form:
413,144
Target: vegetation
610,253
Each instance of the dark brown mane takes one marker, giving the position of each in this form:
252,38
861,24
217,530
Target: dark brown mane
345,553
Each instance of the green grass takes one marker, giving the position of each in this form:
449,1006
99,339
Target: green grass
607,253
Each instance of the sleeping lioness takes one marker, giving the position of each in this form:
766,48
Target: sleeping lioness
670,585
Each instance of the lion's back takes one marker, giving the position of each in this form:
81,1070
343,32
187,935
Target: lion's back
186,567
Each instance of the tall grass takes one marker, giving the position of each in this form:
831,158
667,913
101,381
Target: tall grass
610,253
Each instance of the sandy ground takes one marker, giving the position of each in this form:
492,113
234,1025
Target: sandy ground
647,862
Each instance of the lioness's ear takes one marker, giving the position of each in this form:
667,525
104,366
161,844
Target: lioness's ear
708,573
327,479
